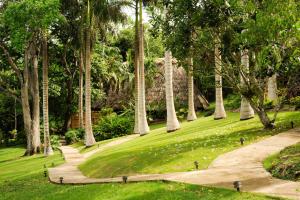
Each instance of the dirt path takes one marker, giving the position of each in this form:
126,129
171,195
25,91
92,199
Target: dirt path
244,164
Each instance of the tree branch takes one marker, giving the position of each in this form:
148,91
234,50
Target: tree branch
11,62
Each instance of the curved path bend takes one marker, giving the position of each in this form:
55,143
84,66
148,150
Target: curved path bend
244,164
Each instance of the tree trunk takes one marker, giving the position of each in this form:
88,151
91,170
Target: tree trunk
272,88
263,117
143,124
219,110
89,137
172,121
36,140
47,144
80,99
136,70
191,110
246,111
26,107
69,101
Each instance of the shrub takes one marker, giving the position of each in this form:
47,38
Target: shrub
182,113
296,102
54,139
74,135
113,125
232,102
269,104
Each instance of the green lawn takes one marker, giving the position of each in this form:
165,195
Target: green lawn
21,178
286,164
202,140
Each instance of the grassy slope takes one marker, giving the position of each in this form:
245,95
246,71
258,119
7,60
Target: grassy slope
286,164
82,149
159,152
22,178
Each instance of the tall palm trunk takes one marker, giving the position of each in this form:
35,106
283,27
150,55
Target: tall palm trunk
47,144
80,99
246,111
219,110
143,124
191,110
172,121
136,70
89,137
272,88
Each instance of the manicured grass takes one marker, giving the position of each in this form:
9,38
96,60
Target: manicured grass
22,178
286,164
202,140
82,149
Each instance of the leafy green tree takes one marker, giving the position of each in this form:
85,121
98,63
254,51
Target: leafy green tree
25,21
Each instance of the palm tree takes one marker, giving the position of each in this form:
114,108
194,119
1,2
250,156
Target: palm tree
219,110
191,110
136,70
246,111
272,88
143,124
47,145
80,99
172,121
96,15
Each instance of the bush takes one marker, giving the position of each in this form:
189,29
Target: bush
296,102
113,125
74,135
269,104
182,113
54,140
232,102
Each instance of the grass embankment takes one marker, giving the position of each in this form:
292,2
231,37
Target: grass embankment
202,140
286,164
22,178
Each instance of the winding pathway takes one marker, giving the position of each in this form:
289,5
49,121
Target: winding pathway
244,164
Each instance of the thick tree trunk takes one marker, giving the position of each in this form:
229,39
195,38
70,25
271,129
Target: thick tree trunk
143,124
136,70
80,99
89,137
47,144
191,110
26,108
219,110
172,121
246,111
263,117
36,140
272,88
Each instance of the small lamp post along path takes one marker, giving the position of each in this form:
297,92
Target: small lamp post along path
125,178
237,185
45,173
292,124
242,140
61,179
196,165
